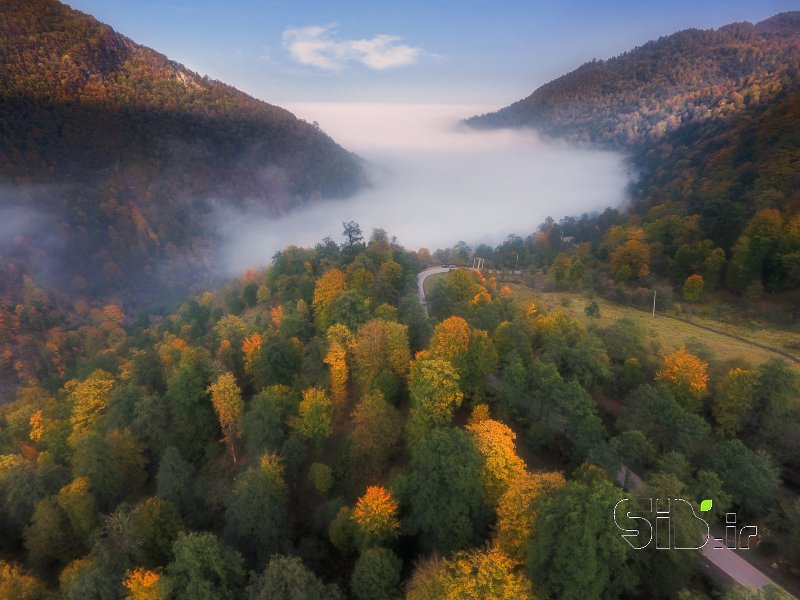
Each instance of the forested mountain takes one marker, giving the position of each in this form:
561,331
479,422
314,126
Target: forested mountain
641,94
711,120
130,151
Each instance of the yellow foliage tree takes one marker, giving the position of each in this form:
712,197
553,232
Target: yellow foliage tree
375,517
227,401
450,342
16,585
476,574
328,288
379,345
250,348
495,443
517,513
89,400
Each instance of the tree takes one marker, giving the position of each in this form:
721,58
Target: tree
17,585
631,260
89,400
379,346
592,310
435,394
375,517
377,427
686,375
576,551
444,490
226,399
314,420
376,575
256,515
339,338
518,509
734,398
321,477
561,266
476,574
48,537
157,524
204,569
350,308
174,480
80,507
267,418
693,288
143,584
329,286
749,477
352,233
495,443
286,577
655,412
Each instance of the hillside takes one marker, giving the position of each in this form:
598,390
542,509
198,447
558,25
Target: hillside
128,149
653,89
710,121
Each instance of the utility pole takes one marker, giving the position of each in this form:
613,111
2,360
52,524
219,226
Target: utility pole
654,303
516,263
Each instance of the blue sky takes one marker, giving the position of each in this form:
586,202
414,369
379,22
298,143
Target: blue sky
435,51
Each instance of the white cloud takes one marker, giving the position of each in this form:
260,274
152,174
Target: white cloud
317,46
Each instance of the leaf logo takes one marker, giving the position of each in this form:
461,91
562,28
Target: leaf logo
706,505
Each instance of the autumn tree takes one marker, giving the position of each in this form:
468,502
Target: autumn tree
734,398
375,517
15,584
339,339
517,510
435,394
686,375
482,574
144,584
501,464
314,421
377,427
89,400
227,401
327,289
693,288
631,260
380,348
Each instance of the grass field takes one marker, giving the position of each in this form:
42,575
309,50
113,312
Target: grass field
431,281
669,334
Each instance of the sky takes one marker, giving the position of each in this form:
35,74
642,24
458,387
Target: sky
419,51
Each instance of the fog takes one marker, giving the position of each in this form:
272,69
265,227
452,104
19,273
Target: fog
435,182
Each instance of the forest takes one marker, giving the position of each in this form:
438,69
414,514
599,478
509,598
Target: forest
307,432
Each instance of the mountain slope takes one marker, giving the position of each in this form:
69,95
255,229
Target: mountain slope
641,94
135,149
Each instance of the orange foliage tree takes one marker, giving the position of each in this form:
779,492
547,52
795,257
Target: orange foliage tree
375,517
686,375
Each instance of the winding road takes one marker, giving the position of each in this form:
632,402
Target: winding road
421,283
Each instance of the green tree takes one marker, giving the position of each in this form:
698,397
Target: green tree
267,418
749,477
444,489
287,578
256,515
376,575
377,427
174,480
576,551
435,393
734,397
204,569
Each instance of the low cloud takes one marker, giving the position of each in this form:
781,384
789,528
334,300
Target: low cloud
318,47
435,182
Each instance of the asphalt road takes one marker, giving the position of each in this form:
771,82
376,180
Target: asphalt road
421,280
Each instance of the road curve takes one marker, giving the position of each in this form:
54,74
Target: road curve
421,281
